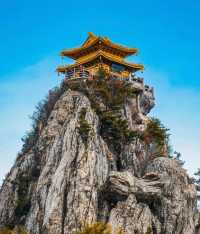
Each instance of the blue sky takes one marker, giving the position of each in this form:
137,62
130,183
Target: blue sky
166,33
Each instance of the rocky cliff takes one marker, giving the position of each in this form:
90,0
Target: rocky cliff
89,163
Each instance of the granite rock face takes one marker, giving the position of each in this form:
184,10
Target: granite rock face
72,182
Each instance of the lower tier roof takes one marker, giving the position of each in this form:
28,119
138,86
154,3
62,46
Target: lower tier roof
102,55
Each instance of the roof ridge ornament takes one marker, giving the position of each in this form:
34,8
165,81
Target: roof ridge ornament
91,34
106,39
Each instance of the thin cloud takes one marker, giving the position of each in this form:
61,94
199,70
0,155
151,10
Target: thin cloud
19,93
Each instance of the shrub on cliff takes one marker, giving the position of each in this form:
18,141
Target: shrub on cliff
40,117
84,128
97,228
23,202
113,93
156,133
6,231
149,230
114,129
16,230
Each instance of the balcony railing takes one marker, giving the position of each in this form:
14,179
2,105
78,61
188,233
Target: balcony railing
70,74
136,82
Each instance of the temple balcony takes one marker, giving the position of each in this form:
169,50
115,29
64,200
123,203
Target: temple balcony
136,82
77,74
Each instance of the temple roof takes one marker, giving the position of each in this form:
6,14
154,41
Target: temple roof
94,43
104,55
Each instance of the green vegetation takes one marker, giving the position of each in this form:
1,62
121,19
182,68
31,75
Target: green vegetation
6,231
158,134
84,128
197,174
23,202
97,228
113,93
40,117
196,180
178,157
115,130
18,230
149,230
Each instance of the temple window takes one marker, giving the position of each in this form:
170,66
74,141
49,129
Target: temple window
117,68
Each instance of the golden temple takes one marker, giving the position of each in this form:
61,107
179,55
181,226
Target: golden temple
98,52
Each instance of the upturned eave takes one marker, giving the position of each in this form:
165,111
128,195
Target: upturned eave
130,66
92,41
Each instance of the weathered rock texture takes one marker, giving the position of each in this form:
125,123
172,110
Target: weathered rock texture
77,183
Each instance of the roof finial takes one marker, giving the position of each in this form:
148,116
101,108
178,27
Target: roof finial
91,34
